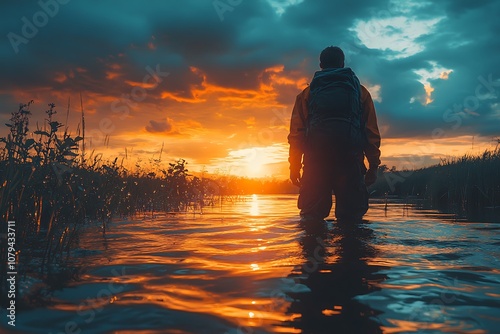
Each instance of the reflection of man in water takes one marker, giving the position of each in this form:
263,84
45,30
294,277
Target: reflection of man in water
333,126
335,272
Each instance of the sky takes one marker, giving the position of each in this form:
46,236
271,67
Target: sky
214,82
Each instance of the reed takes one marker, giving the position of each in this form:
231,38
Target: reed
468,185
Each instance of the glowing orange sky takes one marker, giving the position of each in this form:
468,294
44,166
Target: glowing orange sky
222,130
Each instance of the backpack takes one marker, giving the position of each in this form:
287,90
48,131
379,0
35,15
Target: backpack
334,106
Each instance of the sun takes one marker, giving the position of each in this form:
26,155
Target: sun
255,162
255,168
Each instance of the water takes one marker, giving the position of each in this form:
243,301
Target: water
249,267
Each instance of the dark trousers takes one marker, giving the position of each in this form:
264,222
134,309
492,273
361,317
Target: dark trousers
331,165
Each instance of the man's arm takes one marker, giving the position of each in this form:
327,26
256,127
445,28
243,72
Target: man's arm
297,135
372,146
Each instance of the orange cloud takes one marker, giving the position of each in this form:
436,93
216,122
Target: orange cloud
445,74
163,126
172,96
112,75
428,93
60,77
114,71
250,122
145,85
265,96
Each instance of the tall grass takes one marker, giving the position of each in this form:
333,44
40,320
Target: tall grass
467,185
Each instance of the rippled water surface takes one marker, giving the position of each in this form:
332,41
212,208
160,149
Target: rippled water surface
249,267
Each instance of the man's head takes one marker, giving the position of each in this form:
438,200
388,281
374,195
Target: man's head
331,57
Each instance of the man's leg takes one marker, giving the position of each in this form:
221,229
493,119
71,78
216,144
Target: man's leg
351,196
315,196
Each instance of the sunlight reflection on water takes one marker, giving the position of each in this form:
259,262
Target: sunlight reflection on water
248,267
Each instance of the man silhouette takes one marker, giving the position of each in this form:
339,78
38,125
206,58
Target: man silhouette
332,129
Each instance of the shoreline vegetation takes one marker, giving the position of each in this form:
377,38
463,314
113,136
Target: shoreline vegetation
468,186
52,188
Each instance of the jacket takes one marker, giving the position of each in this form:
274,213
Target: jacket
298,125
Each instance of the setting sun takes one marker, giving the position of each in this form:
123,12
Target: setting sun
254,162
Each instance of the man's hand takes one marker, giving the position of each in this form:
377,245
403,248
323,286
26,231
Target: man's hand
295,177
371,176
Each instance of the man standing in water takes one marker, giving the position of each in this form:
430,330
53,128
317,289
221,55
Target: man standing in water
332,128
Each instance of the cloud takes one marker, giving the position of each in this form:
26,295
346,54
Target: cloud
163,126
